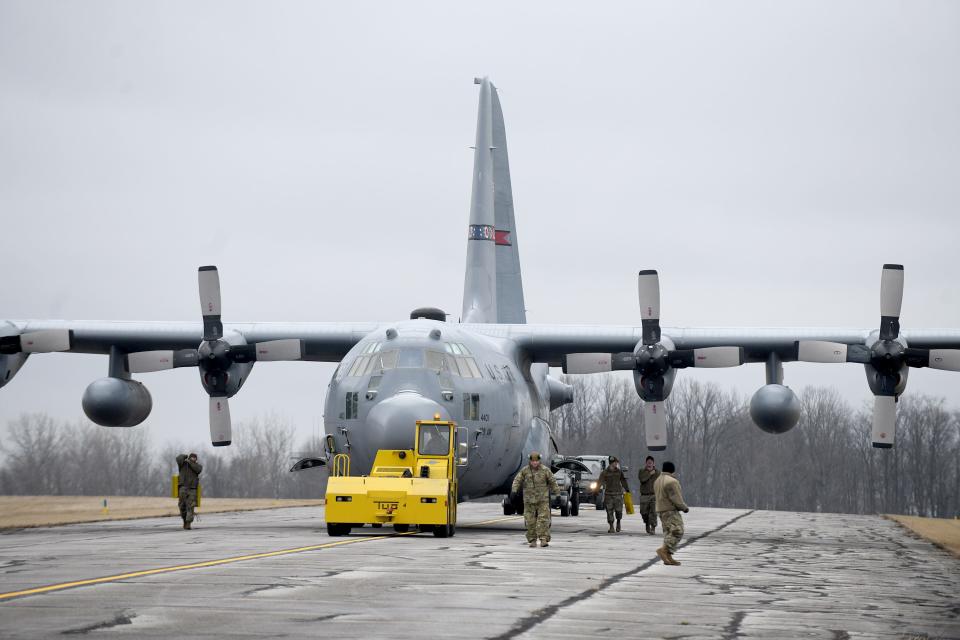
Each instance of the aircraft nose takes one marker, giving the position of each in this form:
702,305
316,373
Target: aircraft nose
391,424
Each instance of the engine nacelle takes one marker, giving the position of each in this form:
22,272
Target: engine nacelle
112,402
560,393
775,408
9,365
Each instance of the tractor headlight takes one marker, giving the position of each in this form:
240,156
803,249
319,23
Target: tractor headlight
593,486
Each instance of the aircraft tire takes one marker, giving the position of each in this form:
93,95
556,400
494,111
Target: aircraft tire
575,505
564,509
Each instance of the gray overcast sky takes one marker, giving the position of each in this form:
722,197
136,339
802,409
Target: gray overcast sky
767,158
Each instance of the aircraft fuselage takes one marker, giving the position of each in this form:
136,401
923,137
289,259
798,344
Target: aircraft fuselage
416,369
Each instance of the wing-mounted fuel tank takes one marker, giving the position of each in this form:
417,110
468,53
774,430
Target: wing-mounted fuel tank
114,402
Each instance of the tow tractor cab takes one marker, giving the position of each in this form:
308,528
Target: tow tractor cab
406,487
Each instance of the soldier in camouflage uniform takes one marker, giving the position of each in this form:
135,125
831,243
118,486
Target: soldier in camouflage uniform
536,482
669,505
614,485
187,490
647,503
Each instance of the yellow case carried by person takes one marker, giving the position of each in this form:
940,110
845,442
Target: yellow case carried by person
628,503
176,489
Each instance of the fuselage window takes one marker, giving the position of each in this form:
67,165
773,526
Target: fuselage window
350,413
410,359
454,348
471,406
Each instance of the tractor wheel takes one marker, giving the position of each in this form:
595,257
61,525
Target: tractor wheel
442,531
401,528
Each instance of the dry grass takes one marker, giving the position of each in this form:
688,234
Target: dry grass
940,531
41,511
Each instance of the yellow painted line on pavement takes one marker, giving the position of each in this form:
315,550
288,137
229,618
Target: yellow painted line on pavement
477,524
183,567
210,563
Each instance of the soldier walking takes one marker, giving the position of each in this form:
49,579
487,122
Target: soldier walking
647,504
190,471
670,503
614,485
536,482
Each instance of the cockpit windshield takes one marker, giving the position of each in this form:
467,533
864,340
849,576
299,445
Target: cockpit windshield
434,440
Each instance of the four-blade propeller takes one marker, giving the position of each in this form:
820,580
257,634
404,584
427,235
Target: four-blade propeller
887,356
216,357
653,361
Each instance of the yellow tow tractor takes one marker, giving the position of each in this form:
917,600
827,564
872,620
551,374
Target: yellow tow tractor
406,487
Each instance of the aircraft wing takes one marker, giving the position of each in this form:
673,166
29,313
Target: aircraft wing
323,341
552,343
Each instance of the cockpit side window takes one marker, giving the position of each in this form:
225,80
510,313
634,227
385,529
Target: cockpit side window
434,361
359,366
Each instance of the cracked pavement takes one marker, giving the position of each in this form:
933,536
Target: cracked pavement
745,574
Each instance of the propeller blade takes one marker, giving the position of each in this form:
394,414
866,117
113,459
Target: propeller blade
820,351
891,298
209,281
47,341
648,289
884,421
147,361
655,424
945,359
587,363
277,350
220,428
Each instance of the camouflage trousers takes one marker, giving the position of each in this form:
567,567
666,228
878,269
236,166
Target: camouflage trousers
672,529
647,506
536,515
614,506
187,503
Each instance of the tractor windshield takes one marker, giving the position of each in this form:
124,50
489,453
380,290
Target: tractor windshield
434,440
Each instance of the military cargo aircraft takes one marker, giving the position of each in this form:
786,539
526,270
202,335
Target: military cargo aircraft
490,372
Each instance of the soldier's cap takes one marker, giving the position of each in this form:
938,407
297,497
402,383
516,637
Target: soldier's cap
614,459
192,455
534,455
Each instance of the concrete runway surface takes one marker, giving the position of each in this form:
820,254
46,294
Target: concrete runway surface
745,574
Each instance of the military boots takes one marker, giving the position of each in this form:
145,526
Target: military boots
610,530
618,526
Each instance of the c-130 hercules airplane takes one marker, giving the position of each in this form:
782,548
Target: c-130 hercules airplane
489,373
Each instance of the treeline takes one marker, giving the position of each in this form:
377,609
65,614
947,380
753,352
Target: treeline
43,456
826,463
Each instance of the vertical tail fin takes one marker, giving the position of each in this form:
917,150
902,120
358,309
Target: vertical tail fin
510,305
493,288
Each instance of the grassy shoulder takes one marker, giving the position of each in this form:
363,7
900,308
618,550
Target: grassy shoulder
44,511
940,531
